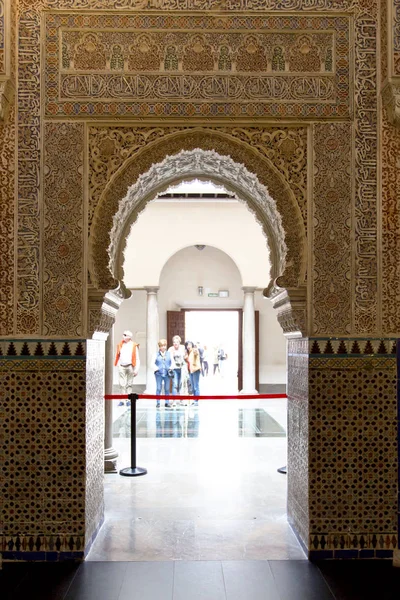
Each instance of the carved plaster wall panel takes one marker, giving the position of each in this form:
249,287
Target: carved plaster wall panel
7,174
138,65
390,225
390,44
151,146
396,37
365,19
199,5
63,236
7,228
365,286
331,253
103,309
110,147
28,178
384,54
2,38
7,57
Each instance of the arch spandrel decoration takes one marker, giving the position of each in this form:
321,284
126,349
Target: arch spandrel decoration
283,224
209,165
293,221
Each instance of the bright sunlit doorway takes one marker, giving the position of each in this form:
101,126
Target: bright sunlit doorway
216,332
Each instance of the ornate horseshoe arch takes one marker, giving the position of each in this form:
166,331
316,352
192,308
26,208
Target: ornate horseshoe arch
214,156
205,164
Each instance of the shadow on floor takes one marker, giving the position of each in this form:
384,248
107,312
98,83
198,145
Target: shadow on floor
201,580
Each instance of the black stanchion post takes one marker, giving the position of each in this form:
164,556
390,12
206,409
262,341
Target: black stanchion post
133,470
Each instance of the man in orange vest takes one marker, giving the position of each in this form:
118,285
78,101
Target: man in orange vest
128,361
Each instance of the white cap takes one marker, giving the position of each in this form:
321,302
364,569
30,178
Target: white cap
128,333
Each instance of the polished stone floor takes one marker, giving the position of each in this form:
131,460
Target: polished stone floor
201,580
212,491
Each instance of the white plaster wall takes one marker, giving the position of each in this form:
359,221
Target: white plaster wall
272,343
179,280
164,228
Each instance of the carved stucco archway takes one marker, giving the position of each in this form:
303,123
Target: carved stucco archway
204,164
200,153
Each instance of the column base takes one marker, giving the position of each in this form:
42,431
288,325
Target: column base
110,460
249,392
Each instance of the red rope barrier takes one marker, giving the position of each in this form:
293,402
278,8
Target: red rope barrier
174,398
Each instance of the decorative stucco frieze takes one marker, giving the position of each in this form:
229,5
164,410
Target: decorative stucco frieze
125,65
391,100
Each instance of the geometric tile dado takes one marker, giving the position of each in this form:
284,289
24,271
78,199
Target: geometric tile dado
352,347
42,348
43,465
353,457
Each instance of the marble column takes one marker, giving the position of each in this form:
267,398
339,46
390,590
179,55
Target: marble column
110,455
249,342
152,336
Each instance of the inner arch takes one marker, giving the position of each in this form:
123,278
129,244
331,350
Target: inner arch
204,165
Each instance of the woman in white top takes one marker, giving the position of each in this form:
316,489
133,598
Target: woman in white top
177,352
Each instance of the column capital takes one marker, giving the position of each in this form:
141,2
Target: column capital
249,289
151,289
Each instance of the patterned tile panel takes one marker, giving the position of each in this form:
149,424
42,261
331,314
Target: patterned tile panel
353,347
352,444
36,349
42,409
191,66
298,434
94,494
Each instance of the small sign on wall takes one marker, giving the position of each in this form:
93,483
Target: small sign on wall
220,294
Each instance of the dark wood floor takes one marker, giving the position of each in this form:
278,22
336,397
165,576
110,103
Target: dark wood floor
201,580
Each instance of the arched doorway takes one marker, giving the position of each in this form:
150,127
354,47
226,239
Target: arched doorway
173,445
280,218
